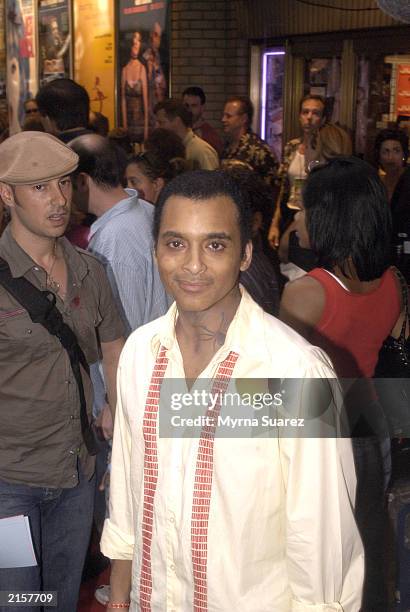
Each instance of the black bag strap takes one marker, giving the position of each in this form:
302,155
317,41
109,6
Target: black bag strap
41,306
405,300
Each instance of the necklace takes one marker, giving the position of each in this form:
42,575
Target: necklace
50,281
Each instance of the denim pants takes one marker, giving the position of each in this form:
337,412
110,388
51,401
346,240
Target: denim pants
373,468
60,522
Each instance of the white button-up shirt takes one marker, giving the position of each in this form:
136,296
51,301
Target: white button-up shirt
281,534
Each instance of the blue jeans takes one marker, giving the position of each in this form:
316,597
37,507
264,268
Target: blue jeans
60,521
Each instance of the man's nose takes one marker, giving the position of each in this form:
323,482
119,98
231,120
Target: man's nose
194,260
59,197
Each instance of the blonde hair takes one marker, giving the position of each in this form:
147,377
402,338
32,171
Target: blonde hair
333,141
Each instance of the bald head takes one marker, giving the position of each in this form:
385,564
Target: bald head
100,159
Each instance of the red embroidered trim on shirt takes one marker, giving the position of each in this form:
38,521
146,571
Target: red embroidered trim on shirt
150,476
202,485
203,488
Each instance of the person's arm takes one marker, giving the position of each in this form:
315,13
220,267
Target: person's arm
145,99
120,581
325,559
399,323
208,158
302,305
123,100
283,250
111,352
118,537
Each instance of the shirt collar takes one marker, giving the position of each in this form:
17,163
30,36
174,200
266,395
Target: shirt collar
248,315
118,209
188,136
20,262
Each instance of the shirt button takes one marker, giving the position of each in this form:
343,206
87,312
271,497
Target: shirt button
36,268
74,476
71,416
72,452
172,567
67,382
172,520
29,331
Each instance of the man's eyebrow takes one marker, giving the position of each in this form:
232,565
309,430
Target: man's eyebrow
211,236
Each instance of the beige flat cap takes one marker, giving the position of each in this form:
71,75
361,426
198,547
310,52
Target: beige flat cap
32,157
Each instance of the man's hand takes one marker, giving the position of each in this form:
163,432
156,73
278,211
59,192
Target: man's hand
273,235
105,422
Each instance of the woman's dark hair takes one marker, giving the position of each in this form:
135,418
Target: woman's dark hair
154,166
201,185
165,144
260,195
393,134
348,217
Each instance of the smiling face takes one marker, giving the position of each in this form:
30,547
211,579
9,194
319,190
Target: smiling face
234,120
199,251
147,188
41,210
391,155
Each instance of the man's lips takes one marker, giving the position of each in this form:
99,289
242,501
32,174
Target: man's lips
58,217
192,285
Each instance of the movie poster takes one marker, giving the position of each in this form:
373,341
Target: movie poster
94,53
54,40
143,63
3,64
403,90
22,81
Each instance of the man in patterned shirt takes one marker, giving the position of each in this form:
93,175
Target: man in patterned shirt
243,144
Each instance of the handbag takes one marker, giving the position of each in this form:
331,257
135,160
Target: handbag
41,307
392,374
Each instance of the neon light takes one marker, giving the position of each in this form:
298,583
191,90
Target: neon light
264,80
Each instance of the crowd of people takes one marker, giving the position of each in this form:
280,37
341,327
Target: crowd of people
223,271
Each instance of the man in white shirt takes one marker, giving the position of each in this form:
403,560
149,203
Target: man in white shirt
245,522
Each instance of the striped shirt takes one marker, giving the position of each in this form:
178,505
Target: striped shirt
122,240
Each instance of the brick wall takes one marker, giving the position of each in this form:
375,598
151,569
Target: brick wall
208,50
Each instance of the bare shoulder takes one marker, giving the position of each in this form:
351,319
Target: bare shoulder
302,304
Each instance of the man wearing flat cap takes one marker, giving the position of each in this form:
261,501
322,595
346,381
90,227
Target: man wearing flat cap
46,469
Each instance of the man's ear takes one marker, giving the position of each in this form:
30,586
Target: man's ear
7,195
247,256
81,182
159,184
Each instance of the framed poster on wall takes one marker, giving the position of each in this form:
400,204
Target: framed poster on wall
22,82
94,53
54,34
3,65
143,63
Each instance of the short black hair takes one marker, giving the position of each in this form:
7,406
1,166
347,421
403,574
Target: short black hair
261,198
246,106
175,108
66,102
99,124
348,217
202,185
195,91
312,97
103,161
391,134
